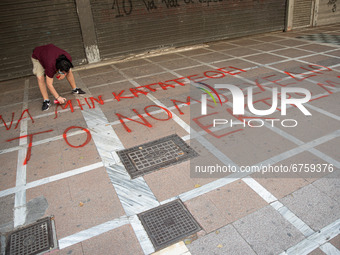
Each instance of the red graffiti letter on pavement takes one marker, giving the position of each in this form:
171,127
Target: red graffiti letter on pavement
99,101
166,110
21,117
119,96
136,91
7,128
145,122
88,139
69,103
29,149
328,83
206,128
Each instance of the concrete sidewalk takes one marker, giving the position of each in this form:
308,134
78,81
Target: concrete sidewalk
64,162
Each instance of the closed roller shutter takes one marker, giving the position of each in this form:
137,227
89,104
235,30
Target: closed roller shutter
129,26
26,24
302,15
329,12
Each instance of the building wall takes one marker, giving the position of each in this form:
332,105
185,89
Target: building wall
308,13
130,26
26,24
94,30
328,12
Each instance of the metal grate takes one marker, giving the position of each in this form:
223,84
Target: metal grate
169,223
33,239
155,155
322,38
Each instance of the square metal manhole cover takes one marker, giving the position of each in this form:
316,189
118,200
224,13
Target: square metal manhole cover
33,239
168,223
155,155
322,38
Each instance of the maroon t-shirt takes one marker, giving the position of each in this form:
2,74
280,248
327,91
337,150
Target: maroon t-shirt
47,56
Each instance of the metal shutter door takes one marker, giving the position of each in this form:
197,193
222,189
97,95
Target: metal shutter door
302,15
26,24
130,26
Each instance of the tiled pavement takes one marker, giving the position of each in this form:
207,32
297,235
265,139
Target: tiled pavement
74,173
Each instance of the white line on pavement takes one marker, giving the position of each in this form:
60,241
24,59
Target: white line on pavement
92,232
329,249
50,179
20,196
314,241
134,194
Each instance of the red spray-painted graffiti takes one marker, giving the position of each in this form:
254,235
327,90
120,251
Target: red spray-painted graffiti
30,137
88,136
29,148
21,117
146,118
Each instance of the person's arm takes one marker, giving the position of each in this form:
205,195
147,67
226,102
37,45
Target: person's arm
49,83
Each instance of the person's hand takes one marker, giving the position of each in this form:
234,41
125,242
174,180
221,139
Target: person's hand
61,100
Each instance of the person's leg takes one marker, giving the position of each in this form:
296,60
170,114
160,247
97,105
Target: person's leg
71,80
42,87
39,71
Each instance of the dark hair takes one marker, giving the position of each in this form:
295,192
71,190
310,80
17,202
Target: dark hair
63,64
